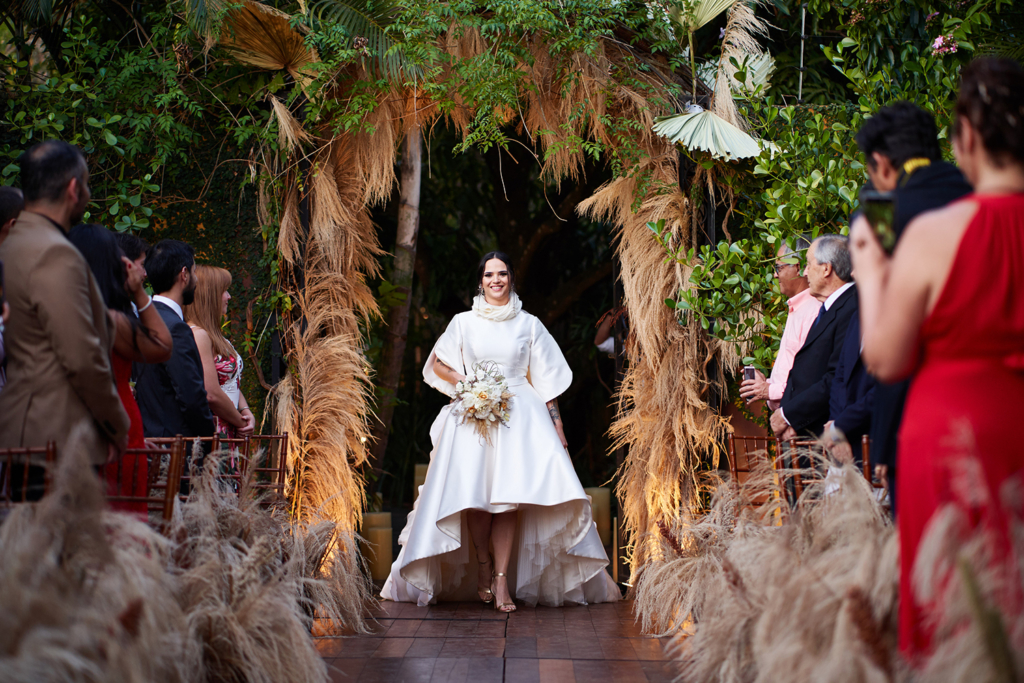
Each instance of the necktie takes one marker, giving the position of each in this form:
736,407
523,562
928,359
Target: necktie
821,312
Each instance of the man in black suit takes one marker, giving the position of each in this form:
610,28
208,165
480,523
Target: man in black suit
901,152
172,395
804,408
852,399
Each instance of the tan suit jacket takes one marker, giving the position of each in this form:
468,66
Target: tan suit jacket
58,342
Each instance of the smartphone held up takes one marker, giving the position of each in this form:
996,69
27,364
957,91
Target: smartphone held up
880,212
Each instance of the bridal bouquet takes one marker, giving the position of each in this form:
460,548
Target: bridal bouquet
482,398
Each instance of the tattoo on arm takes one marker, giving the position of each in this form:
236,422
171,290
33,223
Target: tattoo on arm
553,411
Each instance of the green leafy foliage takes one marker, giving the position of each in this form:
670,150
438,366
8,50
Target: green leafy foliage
124,108
811,184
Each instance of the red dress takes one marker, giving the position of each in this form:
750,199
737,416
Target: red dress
956,440
129,476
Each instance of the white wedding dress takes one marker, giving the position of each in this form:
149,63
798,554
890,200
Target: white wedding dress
557,555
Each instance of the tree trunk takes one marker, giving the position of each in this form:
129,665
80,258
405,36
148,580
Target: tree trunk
390,371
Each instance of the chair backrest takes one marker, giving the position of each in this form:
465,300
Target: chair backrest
146,480
15,484
743,450
269,471
794,457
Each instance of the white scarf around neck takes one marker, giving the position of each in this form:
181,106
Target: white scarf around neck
497,313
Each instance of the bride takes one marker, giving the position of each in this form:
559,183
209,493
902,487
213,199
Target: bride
518,493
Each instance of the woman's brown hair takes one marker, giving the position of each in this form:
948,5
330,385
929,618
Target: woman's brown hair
992,99
205,309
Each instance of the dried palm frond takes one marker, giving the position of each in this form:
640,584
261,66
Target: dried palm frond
708,132
263,37
692,14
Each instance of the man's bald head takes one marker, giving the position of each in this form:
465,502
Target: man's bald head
48,168
55,180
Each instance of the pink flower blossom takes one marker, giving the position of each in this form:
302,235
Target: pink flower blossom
944,45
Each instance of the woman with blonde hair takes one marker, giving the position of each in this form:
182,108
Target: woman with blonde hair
222,365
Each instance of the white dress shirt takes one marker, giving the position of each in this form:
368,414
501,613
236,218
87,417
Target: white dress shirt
828,304
170,303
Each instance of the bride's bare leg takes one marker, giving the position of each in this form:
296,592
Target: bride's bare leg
480,528
503,531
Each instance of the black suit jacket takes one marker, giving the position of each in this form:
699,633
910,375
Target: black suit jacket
805,402
928,188
853,391
172,395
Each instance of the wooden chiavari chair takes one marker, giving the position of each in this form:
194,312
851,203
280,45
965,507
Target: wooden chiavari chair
163,466
743,453
878,484
268,472
743,450
14,492
801,458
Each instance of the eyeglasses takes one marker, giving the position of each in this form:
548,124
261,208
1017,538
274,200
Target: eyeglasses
779,266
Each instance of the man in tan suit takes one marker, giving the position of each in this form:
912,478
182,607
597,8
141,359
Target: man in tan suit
58,337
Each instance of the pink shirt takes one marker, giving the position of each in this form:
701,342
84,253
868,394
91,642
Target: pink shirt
803,309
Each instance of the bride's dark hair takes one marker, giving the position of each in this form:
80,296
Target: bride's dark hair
501,256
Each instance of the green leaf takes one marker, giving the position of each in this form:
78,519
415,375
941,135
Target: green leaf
671,303
109,137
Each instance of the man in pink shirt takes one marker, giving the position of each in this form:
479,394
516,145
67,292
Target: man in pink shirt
803,309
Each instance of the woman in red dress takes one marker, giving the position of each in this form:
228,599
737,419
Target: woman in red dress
949,307
139,337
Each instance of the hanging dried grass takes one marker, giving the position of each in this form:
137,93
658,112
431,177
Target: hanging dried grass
664,415
739,42
324,405
290,133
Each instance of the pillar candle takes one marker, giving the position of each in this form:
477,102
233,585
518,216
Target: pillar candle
379,541
376,520
421,476
601,502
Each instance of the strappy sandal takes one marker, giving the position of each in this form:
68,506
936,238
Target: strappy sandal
501,607
485,593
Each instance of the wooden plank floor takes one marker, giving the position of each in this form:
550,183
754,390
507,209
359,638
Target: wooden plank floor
471,642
